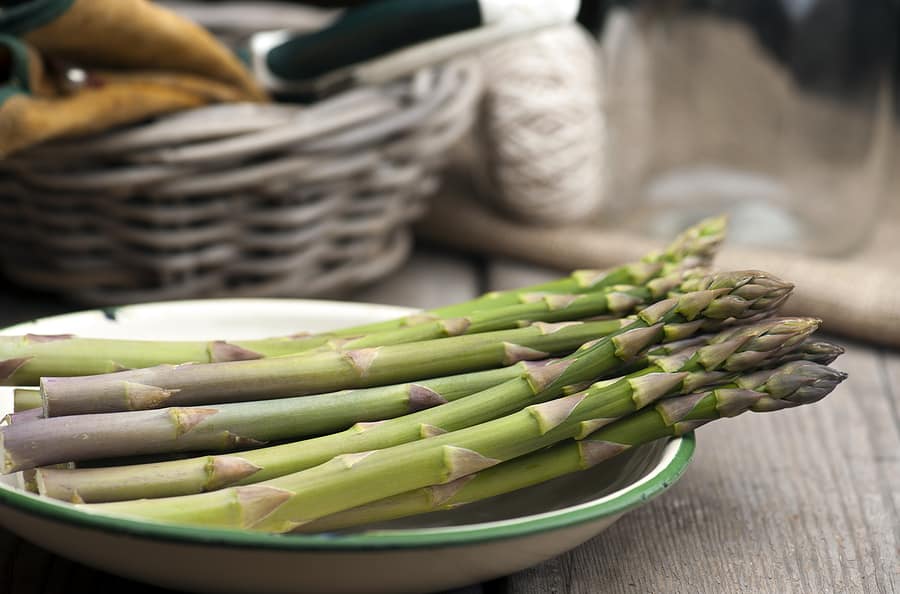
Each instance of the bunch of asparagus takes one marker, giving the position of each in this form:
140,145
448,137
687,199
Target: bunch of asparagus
411,415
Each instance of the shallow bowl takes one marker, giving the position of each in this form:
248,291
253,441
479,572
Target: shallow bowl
428,553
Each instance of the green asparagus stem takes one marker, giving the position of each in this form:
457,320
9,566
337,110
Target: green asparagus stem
25,399
291,376
669,318
225,427
25,359
281,377
696,246
671,417
672,319
285,503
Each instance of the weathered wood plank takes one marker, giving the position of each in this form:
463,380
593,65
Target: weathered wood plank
798,501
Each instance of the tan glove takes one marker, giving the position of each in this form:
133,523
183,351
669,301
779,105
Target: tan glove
131,60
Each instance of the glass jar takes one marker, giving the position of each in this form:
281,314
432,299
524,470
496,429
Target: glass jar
779,113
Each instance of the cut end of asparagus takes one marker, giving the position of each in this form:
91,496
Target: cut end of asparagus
221,351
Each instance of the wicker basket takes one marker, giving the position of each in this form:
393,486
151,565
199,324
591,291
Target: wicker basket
236,200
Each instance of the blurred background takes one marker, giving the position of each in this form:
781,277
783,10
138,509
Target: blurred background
294,149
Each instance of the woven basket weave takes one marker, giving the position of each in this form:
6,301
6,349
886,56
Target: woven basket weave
235,200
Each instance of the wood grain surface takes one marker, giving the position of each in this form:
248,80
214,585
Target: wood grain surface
801,501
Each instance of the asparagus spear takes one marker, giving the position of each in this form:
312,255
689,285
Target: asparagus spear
281,377
671,417
592,360
25,359
284,503
26,399
695,246
232,426
291,376
776,337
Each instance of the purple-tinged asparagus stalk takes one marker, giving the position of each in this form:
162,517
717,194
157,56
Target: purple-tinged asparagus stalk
808,383
672,319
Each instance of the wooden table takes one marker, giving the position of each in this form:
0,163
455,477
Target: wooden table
799,501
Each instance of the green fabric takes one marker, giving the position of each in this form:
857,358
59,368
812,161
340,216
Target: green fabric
22,17
18,82
369,31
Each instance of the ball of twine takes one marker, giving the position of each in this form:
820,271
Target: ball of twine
543,134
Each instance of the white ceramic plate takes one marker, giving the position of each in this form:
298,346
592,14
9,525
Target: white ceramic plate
429,553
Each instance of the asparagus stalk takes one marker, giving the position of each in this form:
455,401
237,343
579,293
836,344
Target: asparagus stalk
291,376
33,356
25,359
675,318
283,504
193,476
224,427
695,246
26,399
671,417
281,377
248,424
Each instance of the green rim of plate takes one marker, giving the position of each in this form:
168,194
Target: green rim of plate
662,476
632,497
